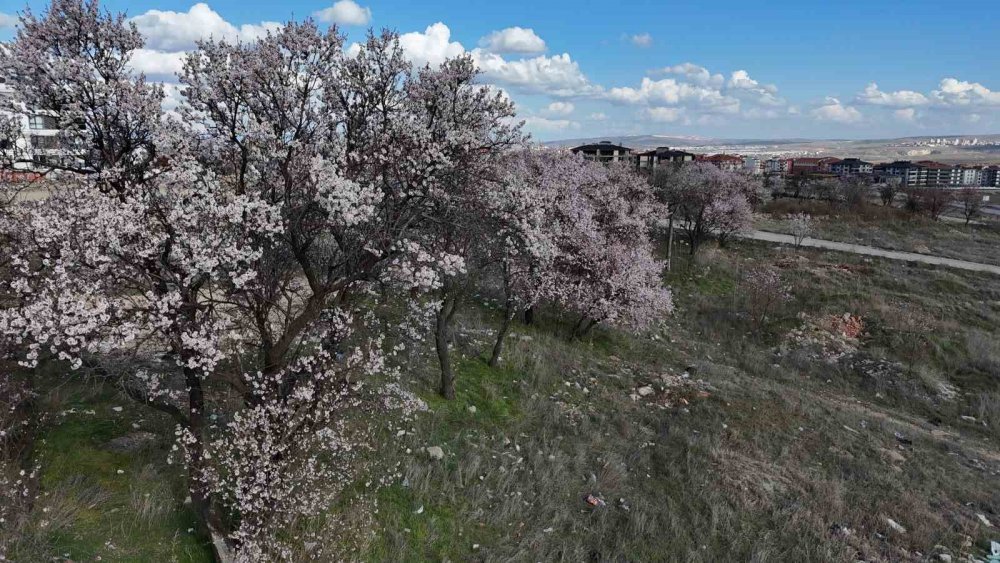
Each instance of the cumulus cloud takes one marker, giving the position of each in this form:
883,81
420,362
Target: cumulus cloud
900,99
433,46
663,115
694,73
178,31
535,123
667,92
345,12
764,94
560,108
905,114
954,92
598,116
513,40
157,65
7,21
642,40
558,75
833,110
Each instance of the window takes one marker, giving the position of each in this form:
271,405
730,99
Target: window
43,122
44,141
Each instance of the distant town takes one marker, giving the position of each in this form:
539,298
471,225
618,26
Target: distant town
906,173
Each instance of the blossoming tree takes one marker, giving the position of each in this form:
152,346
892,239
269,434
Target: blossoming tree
218,264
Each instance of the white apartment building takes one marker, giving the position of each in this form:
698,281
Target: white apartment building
39,144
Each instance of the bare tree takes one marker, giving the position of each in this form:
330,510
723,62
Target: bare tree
887,192
934,201
972,201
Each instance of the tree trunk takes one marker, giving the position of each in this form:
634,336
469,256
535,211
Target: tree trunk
209,519
529,315
442,336
670,241
508,316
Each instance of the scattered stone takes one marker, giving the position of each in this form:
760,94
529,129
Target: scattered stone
984,520
944,557
968,418
419,510
116,409
309,545
132,442
896,526
645,391
435,452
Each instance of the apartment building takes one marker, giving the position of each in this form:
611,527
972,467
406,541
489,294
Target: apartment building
605,151
651,159
39,145
727,162
850,167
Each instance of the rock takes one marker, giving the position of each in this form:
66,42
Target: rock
132,442
896,526
984,520
645,391
944,557
435,452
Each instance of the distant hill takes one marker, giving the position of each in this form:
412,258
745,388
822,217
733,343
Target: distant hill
971,149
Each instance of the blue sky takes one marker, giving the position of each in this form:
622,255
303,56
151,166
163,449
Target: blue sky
730,69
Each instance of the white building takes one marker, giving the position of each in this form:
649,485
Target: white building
39,144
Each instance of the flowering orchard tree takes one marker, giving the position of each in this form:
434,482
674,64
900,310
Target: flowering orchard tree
708,201
586,245
763,290
801,226
226,258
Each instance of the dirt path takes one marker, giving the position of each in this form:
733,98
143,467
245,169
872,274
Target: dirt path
873,251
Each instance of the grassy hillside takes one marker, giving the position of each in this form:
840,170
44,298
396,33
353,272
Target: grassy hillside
809,437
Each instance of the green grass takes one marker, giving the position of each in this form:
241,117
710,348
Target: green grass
95,502
781,456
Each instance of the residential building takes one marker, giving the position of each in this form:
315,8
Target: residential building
39,145
851,167
651,159
990,177
727,162
827,163
605,151
924,173
753,164
778,166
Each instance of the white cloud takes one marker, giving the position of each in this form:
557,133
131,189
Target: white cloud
833,110
178,31
513,40
642,40
598,116
954,92
560,108
157,64
900,99
558,75
694,73
663,115
345,12
7,21
546,124
671,92
764,94
905,114
433,46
